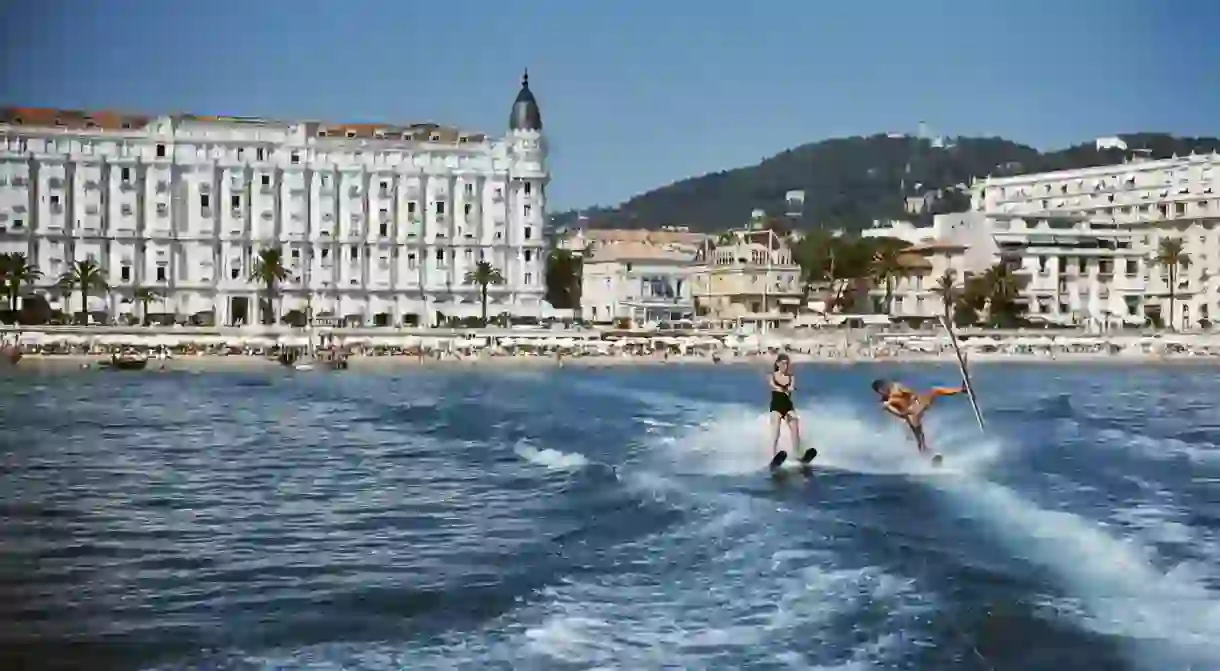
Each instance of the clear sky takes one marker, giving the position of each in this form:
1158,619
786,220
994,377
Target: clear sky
638,94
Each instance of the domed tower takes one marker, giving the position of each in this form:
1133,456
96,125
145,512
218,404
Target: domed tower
526,115
527,180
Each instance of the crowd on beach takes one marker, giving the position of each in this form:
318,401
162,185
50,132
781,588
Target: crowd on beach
591,347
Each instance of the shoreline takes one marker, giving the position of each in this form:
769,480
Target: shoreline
216,363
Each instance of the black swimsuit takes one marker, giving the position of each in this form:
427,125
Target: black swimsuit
781,401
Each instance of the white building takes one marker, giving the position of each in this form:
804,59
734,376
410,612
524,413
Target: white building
644,283
1088,236
1081,242
378,223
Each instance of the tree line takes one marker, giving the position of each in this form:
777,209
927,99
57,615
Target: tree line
850,182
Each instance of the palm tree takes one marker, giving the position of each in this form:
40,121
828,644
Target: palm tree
1170,255
144,296
15,272
84,276
885,269
948,292
1000,287
483,275
269,271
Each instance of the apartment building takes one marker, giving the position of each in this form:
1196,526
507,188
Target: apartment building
749,275
639,282
1087,237
587,241
378,223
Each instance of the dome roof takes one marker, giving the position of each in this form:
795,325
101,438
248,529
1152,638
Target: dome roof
526,115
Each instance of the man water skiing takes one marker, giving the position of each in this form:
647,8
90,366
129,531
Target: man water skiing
909,406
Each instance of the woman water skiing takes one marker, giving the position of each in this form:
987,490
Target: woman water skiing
782,383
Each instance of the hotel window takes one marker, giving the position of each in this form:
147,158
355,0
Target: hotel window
528,232
204,201
266,180
411,261
440,255
469,190
355,253
527,190
529,278
440,208
261,154
383,230
528,255
468,254
125,273
528,211
160,273
160,151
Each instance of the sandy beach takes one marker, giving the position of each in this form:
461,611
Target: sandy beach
215,363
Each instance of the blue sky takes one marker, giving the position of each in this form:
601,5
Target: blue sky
638,94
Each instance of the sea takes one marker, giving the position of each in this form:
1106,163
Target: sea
607,518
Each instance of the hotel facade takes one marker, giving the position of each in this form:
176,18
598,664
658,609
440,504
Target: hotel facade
1082,242
378,224
1088,238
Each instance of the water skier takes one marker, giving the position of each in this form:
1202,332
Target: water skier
909,406
783,383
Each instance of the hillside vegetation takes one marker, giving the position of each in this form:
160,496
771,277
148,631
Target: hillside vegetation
850,182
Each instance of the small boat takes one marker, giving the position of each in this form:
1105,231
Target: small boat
126,362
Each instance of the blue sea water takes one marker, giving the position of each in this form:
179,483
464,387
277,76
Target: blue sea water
606,519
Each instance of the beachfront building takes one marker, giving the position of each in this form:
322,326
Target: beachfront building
1086,237
748,276
639,283
378,223
582,241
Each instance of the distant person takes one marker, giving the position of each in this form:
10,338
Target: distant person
783,383
909,406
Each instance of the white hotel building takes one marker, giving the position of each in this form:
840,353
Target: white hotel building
1083,239
1086,238
378,223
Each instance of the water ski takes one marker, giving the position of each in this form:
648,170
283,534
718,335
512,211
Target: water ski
782,456
778,459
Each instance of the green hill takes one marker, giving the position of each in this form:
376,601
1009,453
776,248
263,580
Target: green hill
849,182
